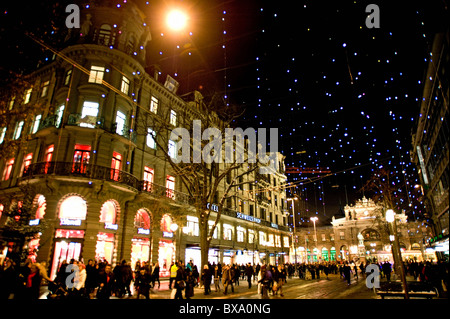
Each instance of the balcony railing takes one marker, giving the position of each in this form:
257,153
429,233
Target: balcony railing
92,171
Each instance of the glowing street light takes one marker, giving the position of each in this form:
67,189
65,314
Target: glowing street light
176,20
314,221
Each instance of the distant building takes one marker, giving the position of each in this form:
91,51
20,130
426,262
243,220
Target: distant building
430,140
361,235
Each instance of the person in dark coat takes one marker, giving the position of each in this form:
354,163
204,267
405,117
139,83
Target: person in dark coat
155,275
206,278
142,284
190,284
346,272
179,281
249,272
32,283
8,279
106,283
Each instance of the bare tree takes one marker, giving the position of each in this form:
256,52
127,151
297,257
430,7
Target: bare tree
202,180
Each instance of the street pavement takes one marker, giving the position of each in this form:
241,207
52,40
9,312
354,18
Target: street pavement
332,288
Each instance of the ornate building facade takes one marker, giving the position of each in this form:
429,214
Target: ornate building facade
89,160
361,235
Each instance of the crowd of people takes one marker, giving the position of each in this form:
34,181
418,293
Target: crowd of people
100,280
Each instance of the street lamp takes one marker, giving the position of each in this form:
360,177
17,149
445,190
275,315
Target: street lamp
314,221
315,233
293,233
390,218
176,20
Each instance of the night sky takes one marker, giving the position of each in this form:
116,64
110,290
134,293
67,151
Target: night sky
343,97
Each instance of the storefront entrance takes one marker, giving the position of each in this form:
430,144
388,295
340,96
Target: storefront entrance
64,251
166,255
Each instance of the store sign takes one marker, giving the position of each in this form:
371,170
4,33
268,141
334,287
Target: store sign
167,234
111,226
247,217
274,225
70,222
143,231
213,207
34,222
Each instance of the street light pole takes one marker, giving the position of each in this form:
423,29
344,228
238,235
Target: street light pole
293,233
390,218
315,233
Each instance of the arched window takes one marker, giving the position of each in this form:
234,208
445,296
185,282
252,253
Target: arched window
73,207
166,223
142,219
104,35
108,212
41,205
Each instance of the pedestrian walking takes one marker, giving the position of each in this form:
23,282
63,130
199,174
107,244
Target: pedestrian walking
142,284
249,272
180,283
155,275
346,272
227,279
216,278
206,278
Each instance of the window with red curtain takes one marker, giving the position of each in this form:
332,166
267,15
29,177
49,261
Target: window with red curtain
48,157
27,161
170,186
81,158
116,163
148,178
8,169
41,206
142,219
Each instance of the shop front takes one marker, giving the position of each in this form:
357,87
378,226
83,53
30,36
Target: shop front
68,244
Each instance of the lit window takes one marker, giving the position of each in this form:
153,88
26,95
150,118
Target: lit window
36,122
210,226
154,105
191,228
68,77
89,114
227,232
240,234
251,236
2,134
45,86
27,96
116,163
41,206
150,138
172,149
59,114
108,212
120,123
81,157
285,241
8,169
148,178
125,87
170,186
73,207
18,130
27,161
262,239
277,240
142,219
271,242
173,118
96,74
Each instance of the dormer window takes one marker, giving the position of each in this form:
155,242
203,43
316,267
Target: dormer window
104,35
